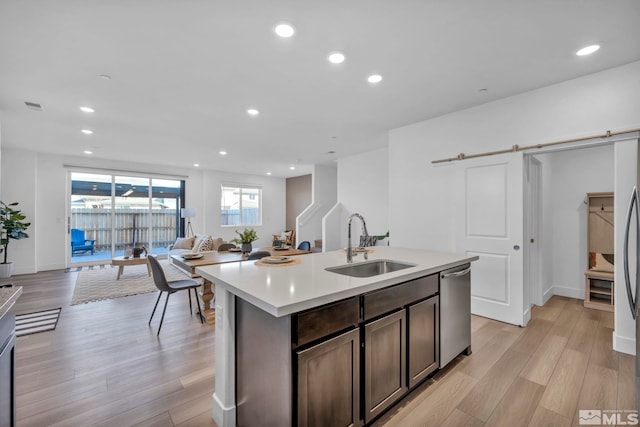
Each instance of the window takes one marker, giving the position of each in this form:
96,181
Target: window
240,206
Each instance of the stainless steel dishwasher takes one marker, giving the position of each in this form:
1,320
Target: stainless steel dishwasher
455,313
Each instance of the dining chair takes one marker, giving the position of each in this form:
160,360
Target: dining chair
225,247
171,287
304,246
258,255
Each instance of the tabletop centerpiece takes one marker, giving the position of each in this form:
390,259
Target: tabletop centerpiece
247,237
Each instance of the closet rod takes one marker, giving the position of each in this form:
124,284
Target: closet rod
516,147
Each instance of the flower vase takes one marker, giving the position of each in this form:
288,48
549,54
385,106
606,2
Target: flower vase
246,248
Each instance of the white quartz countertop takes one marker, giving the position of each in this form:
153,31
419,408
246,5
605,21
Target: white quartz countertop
8,297
283,290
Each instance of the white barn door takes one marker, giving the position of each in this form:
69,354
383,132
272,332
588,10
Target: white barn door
489,224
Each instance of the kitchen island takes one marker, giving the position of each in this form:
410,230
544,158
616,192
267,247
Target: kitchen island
8,297
273,322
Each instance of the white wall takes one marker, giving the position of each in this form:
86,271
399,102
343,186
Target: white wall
363,187
273,204
569,176
17,187
39,182
420,194
324,189
420,207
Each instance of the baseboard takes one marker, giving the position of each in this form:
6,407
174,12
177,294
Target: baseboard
526,316
568,292
547,294
224,417
624,344
24,270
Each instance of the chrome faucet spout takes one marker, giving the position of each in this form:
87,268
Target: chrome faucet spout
364,232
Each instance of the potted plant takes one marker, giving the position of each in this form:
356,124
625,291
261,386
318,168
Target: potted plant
248,236
12,226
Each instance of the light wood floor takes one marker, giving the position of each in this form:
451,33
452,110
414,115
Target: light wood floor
104,366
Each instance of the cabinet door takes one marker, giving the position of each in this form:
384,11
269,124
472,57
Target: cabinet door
329,382
423,339
7,382
385,363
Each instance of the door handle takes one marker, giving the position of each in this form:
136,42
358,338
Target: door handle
457,273
633,203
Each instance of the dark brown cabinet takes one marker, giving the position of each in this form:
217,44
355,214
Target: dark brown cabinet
423,339
384,363
7,369
340,364
329,382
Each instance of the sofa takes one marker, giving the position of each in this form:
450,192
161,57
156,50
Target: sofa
194,244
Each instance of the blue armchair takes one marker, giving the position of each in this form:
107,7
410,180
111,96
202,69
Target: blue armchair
79,243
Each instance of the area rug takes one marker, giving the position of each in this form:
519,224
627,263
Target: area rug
39,321
101,284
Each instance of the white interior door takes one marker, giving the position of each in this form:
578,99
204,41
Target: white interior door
489,224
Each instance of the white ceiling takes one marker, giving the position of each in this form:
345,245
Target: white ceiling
185,71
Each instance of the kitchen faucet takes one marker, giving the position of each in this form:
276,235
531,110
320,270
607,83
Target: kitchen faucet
364,231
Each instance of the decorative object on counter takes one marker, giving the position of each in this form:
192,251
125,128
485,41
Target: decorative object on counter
290,262
247,237
12,226
39,321
366,241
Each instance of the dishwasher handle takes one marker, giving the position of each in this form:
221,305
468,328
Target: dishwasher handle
457,273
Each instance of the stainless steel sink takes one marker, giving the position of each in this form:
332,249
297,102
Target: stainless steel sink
370,268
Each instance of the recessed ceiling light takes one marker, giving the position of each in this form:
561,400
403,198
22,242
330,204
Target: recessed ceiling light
197,165
336,57
105,76
284,30
292,168
268,173
253,111
483,90
87,109
588,50
87,131
222,153
374,78
88,152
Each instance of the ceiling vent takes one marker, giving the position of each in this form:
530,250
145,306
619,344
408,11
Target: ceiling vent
33,106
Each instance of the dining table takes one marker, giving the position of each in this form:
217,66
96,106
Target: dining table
189,266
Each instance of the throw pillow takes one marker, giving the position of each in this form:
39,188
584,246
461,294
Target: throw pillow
206,245
183,243
199,238
285,236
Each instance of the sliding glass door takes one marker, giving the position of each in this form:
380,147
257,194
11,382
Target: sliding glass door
112,213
